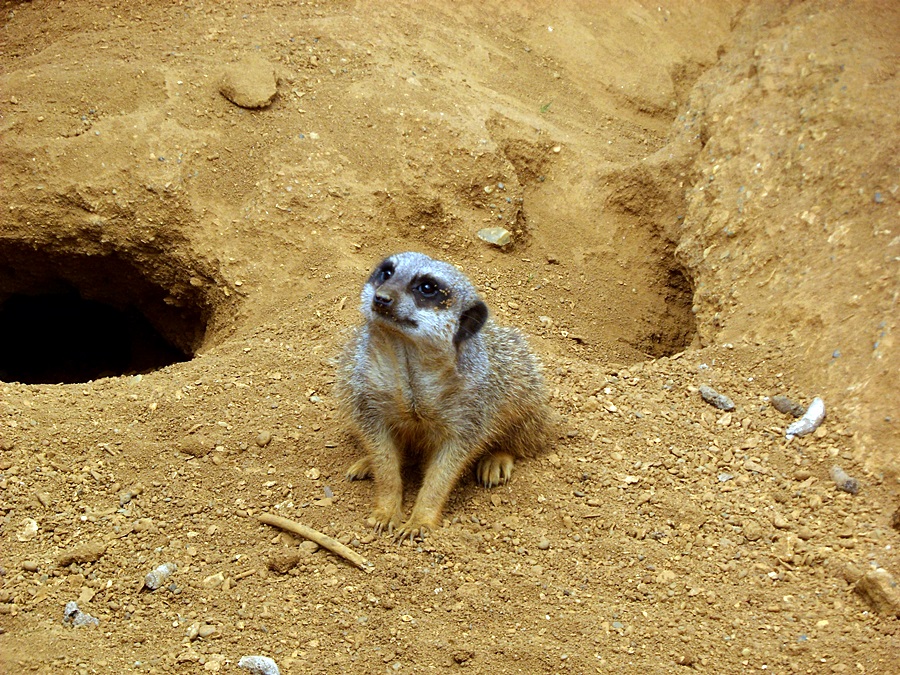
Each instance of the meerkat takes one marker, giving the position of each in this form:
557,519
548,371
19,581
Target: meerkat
430,378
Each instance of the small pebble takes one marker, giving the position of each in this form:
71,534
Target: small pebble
752,531
31,566
786,406
495,235
263,438
805,533
76,618
716,399
307,548
843,480
28,530
259,665
544,544
214,580
283,562
157,578
687,660
780,522
125,496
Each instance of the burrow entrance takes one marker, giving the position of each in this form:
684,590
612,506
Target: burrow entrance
68,316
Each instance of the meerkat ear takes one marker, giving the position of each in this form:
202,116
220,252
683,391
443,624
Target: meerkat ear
470,322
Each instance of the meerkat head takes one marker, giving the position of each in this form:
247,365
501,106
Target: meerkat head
423,299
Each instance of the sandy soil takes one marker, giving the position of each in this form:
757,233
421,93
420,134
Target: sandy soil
699,193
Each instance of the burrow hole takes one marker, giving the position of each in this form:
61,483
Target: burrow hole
68,317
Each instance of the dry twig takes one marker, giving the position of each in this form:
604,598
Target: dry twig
321,539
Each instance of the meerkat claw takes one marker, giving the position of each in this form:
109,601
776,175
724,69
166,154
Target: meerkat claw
411,532
384,522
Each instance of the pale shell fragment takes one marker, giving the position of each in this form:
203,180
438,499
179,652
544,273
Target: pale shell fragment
810,421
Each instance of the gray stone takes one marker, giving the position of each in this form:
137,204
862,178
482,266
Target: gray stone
716,399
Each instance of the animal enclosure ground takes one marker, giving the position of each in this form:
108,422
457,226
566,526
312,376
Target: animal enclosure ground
698,194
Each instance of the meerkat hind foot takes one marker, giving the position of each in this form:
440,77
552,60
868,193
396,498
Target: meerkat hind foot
384,520
495,469
360,469
412,529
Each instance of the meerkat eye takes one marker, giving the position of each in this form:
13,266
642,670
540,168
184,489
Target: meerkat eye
385,273
428,289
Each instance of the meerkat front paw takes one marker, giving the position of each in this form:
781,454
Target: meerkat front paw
495,469
360,469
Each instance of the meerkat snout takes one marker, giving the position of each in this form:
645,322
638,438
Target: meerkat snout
429,377
382,302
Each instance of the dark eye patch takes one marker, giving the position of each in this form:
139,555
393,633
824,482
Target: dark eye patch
383,272
428,292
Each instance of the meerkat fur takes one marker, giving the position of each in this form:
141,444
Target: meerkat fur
430,378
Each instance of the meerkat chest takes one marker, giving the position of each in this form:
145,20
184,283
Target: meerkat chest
414,386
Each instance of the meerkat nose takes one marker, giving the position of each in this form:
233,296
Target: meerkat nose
382,300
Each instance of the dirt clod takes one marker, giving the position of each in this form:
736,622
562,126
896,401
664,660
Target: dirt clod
195,445
881,590
82,553
249,83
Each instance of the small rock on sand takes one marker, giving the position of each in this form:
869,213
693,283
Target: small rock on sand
880,589
786,406
716,399
843,481
249,83
157,577
87,552
195,445
76,618
259,665
497,236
